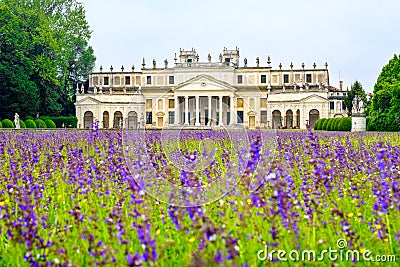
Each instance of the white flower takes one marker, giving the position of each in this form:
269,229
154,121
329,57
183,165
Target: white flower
213,237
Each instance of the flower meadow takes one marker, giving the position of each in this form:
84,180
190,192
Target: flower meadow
70,198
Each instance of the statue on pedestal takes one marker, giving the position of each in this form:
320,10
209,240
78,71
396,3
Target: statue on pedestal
258,61
209,58
358,105
154,63
245,62
166,63
16,121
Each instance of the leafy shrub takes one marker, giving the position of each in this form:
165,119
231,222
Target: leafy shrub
335,124
22,124
320,123
329,124
30,124
40,123
6,123
345,124
1,126
325,125
316,124
66,121
50,124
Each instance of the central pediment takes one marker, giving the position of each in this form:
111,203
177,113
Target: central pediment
313,99
204,83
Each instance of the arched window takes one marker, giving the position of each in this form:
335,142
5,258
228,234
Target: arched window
289,119
313,117
132,120
106,120
88,120
117,120
276,119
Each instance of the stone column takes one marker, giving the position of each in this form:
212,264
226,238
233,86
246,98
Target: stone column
176,110
209,110
186,110
197,111
233,117
220,111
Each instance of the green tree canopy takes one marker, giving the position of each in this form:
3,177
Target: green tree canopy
384,113
44,51
390,74
356,89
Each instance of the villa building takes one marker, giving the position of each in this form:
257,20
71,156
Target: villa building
207,94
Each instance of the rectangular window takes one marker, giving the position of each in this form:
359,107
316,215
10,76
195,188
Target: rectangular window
286,78
263,116
308,78
239,79
149,104
239,103
332,105
127,80
171,103
171,80
149,117
148,80
171,117
263,103
240,116
343,106
106,81
263,78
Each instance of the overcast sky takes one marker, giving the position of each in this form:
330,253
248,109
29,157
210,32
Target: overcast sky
357,38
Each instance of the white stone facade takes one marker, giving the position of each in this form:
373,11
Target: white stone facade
219,93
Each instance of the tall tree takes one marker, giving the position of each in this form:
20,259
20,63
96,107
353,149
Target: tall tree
18,93
356,89
51,37
384,113
390,74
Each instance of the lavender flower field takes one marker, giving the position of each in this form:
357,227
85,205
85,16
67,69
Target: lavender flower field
68,198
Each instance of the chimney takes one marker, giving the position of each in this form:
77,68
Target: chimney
341,85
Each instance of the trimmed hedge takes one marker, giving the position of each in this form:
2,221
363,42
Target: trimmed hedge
329,124
318,124
345,124
62,121
50,124
6,123
335,124
1,126
321,123
40,123
30,124
22,124
324,125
